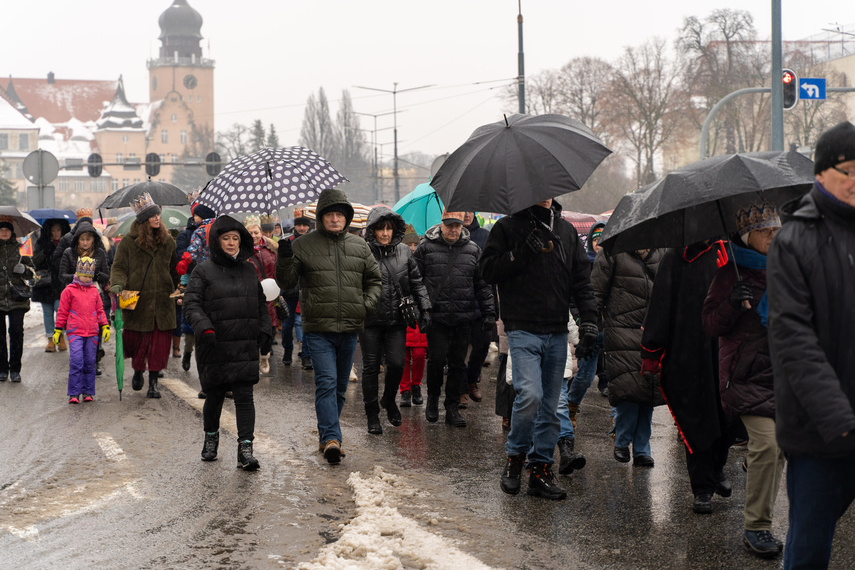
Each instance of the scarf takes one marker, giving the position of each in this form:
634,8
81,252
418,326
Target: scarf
86,252
77,280
753,260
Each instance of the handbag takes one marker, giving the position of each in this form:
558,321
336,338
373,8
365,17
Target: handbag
128,298
409,310
42,279
20,293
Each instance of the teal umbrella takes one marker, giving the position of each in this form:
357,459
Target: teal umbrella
422,208
172,219
120,353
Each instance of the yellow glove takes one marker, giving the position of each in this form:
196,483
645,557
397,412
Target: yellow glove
105,333
57,335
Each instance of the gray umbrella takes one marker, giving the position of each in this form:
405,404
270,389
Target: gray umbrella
506,167
22,223
699,201
162,193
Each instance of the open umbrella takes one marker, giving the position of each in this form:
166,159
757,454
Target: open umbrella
270,179
42,214
422,208
699,201
583,222
506,167
120,352
360,214
162,193
22,223
172,219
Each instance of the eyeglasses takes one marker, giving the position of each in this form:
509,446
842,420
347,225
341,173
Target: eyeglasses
849,173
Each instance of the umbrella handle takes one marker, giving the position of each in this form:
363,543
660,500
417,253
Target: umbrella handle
549,247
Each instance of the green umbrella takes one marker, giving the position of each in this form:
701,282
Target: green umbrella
172,218
120,353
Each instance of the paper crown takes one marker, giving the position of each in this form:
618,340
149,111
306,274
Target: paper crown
251,220
453,217
84,213
85,267
191,196
756,216
142,202
410,235
266,219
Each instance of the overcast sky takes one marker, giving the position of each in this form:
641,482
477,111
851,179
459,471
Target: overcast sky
271,54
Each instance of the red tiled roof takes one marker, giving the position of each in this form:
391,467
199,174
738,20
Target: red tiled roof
58,102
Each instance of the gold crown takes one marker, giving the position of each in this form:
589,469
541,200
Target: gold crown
85,266
756,216
84,213
142,202
251,220
191,196
267,219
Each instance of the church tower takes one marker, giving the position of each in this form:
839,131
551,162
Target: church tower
181,89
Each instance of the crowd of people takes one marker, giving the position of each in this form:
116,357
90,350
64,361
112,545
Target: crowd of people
740,336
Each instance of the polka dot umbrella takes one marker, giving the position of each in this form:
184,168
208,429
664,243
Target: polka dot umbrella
270,179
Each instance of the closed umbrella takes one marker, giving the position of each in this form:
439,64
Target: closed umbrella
162,193
422,208
120,352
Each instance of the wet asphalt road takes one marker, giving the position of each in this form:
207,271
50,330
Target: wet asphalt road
119,484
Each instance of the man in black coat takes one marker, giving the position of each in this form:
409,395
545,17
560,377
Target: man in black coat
479,337
448,263
811,290
540,266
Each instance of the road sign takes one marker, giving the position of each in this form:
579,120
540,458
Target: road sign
812,88
44,199
40,167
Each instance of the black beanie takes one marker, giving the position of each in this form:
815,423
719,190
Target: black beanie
7,225
340,208
834,146
204,212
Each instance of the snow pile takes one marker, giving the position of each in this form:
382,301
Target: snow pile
379,537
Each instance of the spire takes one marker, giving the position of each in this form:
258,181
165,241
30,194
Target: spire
16,101
119,114
180,32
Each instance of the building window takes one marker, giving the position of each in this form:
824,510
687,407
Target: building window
183,137
114,184
64,185
98,185
23,141
198,98
174,158
125,139
80,185
162,158
174,117
19,169
4,141
132,155
136,180
164,136
124,182
119,158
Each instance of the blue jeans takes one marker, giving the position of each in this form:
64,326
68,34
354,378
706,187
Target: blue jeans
538,363
820,490
288,325
632,425
49,315
579,385
332,358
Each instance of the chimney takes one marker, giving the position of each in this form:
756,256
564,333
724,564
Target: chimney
50,78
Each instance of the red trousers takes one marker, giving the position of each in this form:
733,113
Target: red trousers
414,367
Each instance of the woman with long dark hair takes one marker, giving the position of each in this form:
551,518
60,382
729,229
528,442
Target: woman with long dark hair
48,287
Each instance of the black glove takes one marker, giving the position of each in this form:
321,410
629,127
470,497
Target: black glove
488,325
740,292
588,333
209,338
534,241
424,324
285,249
265,343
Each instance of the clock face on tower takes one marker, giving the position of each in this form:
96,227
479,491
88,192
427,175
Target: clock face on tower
190,81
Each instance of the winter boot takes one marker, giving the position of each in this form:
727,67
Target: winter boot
393,414
372,412
176,346
245,459
432,408
464,401
138,381
511,475
453,417
570,460
62,346
406,400
541,483
307,362
475,392
51,347
571,411
212,442
264,363
152,385
417,395
185,361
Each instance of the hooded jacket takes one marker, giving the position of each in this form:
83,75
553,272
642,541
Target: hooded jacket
338,276
68,263
10,282
43,261
224,295
397,265
81,311
589,243
811,288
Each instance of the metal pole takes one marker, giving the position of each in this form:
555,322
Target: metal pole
395,123
706,128
777,142
521,61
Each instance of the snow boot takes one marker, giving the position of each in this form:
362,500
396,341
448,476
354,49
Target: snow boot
572,409
209,450
245,459
453,417
138,381
406,399
152,385
541,483
512,473
570,460
417,395
432,408
264,363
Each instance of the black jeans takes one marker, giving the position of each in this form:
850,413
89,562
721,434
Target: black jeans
447,343
244,409
705,465
480,342
11,361
375,343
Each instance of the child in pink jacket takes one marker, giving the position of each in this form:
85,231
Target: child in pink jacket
81,313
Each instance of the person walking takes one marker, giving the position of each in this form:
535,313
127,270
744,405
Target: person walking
263,258
81,313
292,325
145,261
385,336
415,355
182,243
340,286
227,309
448,262
47,289
811,290
539,265
14,300
479,338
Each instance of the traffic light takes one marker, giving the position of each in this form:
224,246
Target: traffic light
791,89
152,164
213,164
93,164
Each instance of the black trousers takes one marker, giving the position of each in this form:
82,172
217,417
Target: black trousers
447,343
705,465
244,409
11,361
480,342
376,342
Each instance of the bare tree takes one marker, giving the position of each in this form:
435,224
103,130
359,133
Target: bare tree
318,132
583,82
233,142
809,118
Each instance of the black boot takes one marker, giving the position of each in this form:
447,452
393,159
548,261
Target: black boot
185,361
209,450
511,475
152,385
245,459
406,402
138,381
393,414
432,408
541,483
453,417
570,460
417,395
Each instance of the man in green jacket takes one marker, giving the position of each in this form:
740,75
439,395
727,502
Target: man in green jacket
339,286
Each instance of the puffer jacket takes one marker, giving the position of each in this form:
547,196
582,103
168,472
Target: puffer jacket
224,295
338,276
68,263
43,261
465,293
416,338
81,311
12,282
623,284
397,264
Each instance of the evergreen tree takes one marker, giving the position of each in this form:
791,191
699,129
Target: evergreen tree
317,132
272,137
8,191
256,140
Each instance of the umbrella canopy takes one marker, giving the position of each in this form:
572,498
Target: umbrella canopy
172,219
583,222
163,194
22,223
270,179
360,214
508,166
700,201
43,214
422,208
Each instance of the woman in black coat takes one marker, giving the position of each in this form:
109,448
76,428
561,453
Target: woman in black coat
385,331
226,307
48,288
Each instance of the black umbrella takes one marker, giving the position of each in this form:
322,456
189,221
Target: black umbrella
699,201
162,193
508,166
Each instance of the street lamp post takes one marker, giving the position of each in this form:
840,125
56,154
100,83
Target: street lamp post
374,144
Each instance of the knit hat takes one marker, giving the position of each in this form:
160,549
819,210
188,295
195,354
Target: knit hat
834,146
6,223
452,217
85,267
597,232
251,220
302,221
84,213
144,207
202,211
756,216
410,235
340,208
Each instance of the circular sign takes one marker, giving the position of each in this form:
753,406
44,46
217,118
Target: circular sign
40,167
